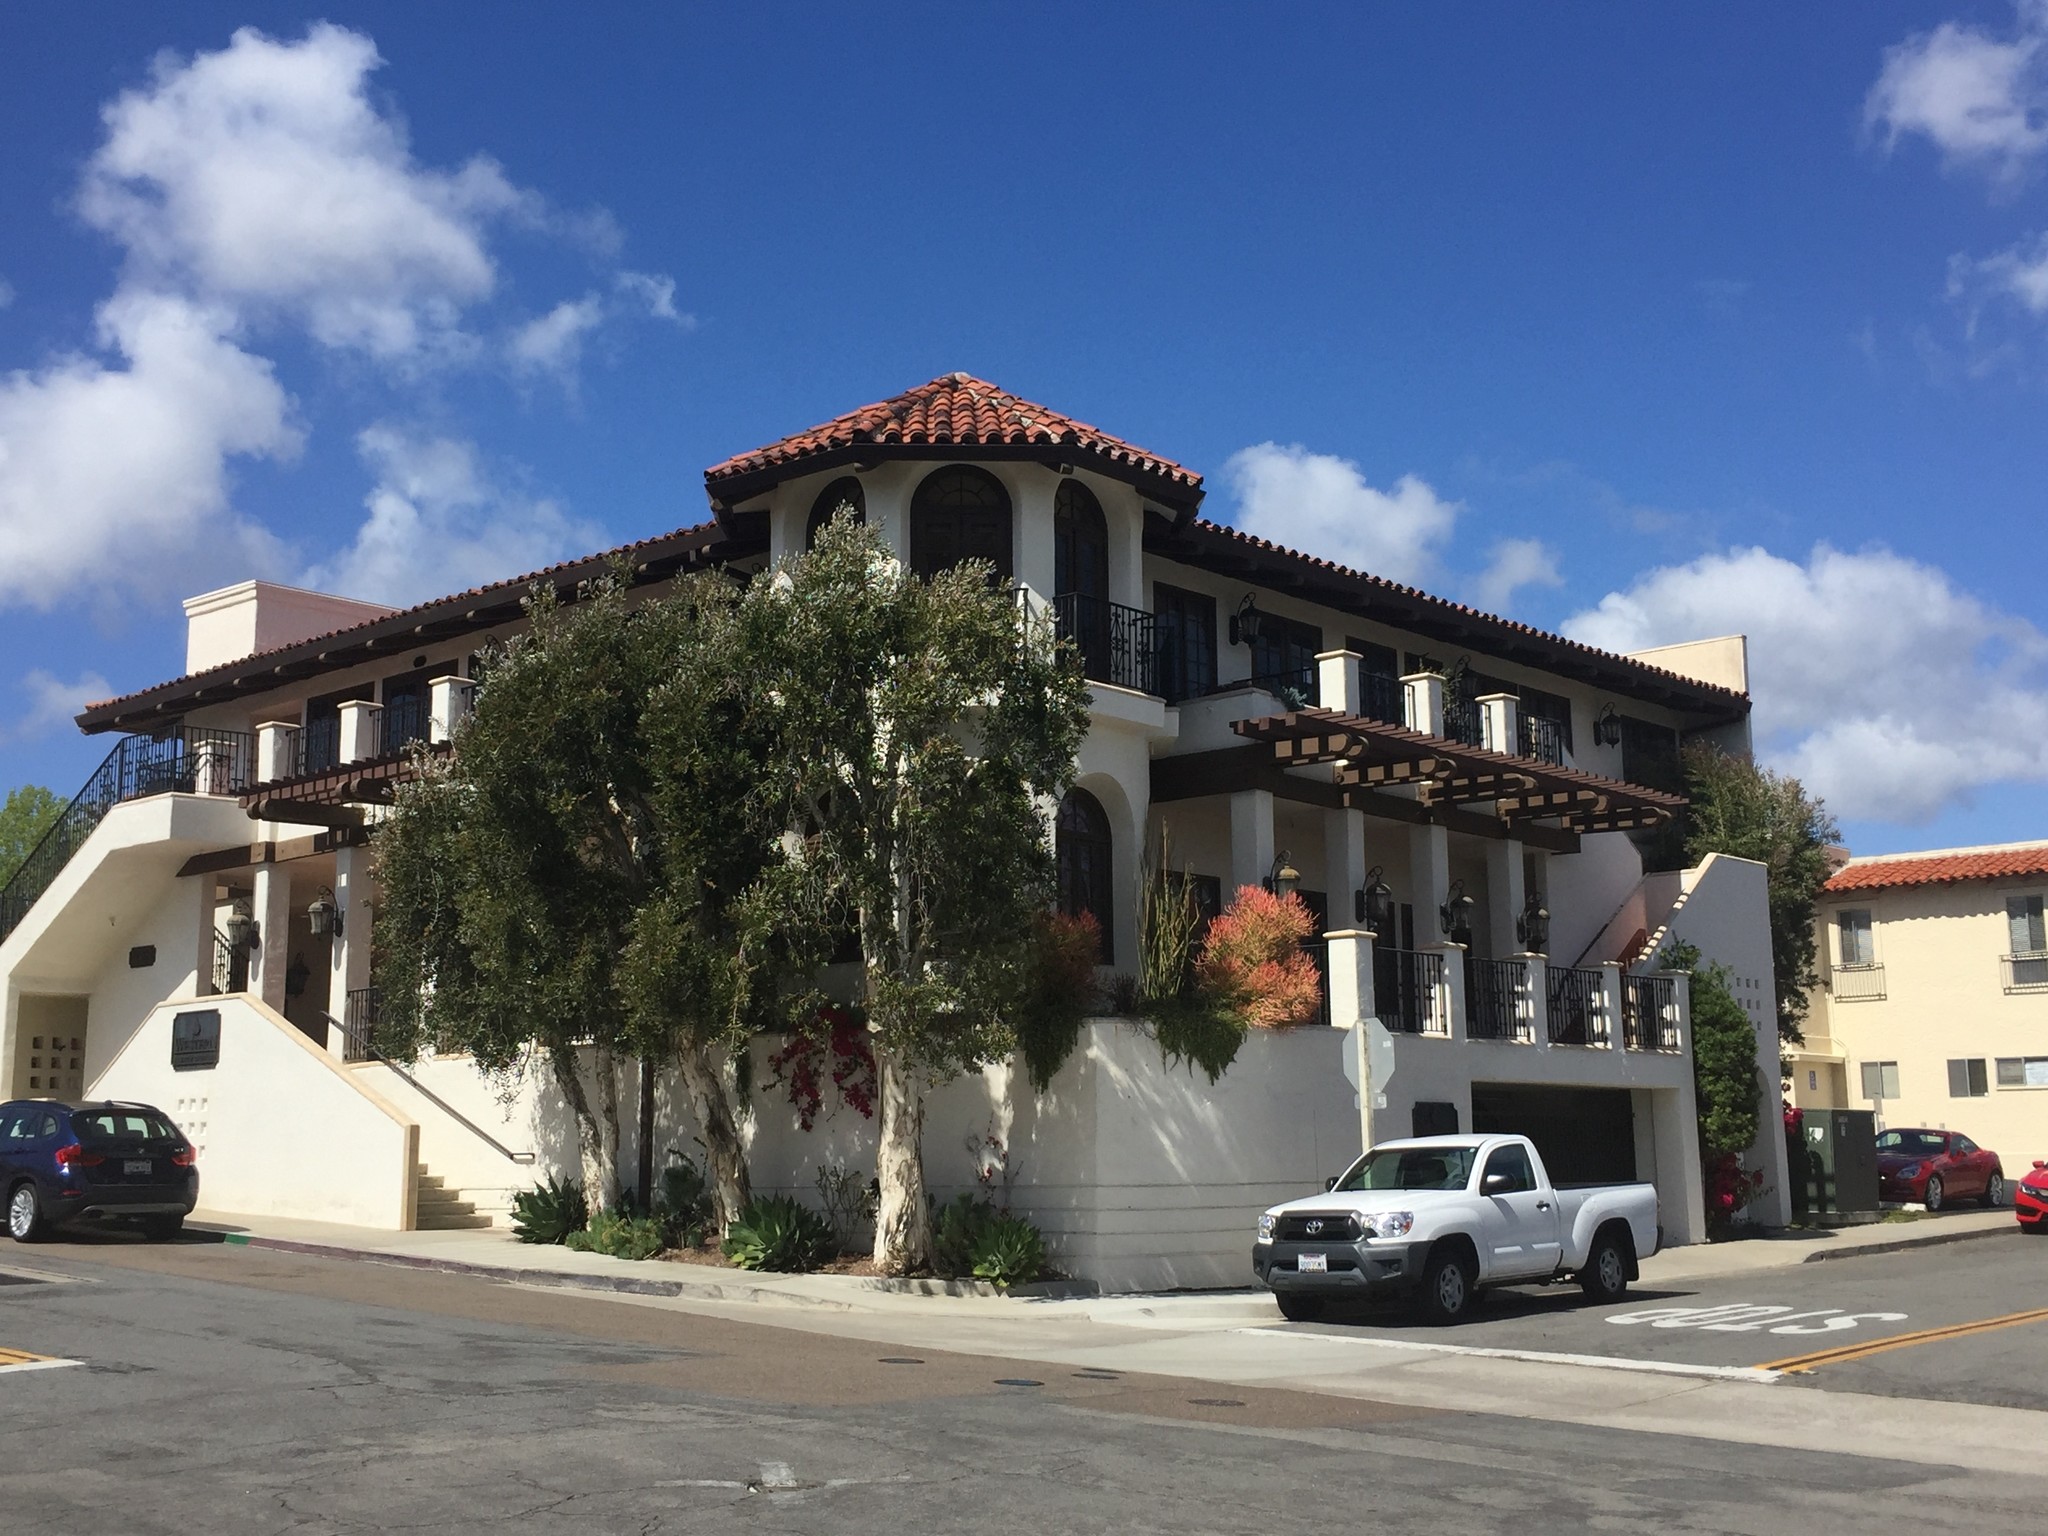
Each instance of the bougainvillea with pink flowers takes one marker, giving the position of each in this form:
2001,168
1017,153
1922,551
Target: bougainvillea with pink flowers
839,1045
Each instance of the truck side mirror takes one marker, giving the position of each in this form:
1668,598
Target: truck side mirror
1498,1184
1331,1182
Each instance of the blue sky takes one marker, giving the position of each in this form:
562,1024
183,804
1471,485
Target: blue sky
1642,321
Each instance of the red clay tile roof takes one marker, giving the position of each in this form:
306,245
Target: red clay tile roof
1200,530
478,608
1938,869
954,409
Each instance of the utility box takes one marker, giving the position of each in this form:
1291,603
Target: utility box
1841,1164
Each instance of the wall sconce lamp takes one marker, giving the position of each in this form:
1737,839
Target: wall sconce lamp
1533,927
1247,623
1372,904
1607,727
243,933
1456,912
1284,878
323,915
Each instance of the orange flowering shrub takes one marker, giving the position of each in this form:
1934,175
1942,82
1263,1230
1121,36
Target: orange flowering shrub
1252,961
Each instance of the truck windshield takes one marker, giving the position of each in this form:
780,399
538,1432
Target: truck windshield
1410,1168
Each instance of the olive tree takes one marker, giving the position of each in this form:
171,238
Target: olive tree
569,881
923,731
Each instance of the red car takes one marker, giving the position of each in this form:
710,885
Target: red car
1936,1169
2030,1201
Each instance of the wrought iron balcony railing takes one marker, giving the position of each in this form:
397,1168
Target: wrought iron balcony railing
1493,1000
1408,991
2026,972
1118,645
1577,1008
192,760
1865,983
1649,1013
1542,740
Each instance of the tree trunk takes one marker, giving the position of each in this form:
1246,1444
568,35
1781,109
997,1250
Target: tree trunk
646,1134
600,1174
607,1070
903,1226
725,1158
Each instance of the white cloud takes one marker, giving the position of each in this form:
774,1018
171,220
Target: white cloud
263,176
1320,502
1982,100
6,293
554,342
114,477
53,702
2019,274
657,294
1513,565
1889,691
437,524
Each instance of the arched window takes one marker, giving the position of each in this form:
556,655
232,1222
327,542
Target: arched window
1080,561
959,513
1081,843
843,492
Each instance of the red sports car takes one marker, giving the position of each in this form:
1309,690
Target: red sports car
1936,1169
2030,1201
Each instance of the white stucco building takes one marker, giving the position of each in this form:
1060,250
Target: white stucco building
1465,802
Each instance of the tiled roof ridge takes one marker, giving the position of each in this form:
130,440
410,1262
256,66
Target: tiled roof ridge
1970,850
242,663
954,408
1461,609
1940,867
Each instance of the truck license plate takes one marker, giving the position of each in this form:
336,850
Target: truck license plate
137,1165
1313,1264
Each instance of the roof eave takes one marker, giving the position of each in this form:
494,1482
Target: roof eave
731,488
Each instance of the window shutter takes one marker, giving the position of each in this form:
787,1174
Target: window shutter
1873,1080
1979,1083
2023,920
1958,1078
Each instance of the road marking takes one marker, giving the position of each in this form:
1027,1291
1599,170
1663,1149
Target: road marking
22,1360
1749,1317
1800,1364
1542,1357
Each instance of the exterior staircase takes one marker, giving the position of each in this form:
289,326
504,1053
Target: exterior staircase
442,1209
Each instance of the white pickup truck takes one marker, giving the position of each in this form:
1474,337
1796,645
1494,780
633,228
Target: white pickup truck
1440,1218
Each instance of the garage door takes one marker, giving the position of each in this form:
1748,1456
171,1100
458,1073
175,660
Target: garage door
1586,1135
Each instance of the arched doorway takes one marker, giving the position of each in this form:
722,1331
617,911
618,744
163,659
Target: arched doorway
960,513
1081,844
1080,581
843,492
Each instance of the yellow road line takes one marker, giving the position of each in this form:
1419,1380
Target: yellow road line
1842,1353
19,1357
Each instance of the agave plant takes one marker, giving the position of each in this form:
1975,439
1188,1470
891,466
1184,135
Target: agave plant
1009,1252
550,1212
780,1233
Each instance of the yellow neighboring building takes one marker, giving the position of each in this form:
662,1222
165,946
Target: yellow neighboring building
1933,1003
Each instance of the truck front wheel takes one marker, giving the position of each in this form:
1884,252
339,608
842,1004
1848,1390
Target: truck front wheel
1297,1308
1605,1277
1449,1285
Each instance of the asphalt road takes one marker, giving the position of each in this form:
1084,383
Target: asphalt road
226,1390
1989,1285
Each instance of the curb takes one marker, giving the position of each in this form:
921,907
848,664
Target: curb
1903,1244
633,1285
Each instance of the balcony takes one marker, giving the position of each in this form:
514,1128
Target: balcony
1117,645
1497,1004
2025,972
1541,740
1409,991
1577,1011
1865,983
192,760
1649,1013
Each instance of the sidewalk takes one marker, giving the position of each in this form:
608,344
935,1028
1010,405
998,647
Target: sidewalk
1712,1261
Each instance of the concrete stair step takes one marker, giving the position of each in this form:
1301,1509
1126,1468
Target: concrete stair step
435,1221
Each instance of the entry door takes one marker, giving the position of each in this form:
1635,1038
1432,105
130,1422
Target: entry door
1520,1221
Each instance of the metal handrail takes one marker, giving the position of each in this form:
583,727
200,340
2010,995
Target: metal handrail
358,1045
1117,645
2025,971
1493,1000
1648,1009
1407,990
1575,997
1542,739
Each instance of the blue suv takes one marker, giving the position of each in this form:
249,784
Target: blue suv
63,1162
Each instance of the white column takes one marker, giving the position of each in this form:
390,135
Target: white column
1031,547
1344,862
1452,993
1536,975
1504,894
1251,839
354,896
273,907
1423,693
1351,1005
1429,875
1610,1001
199,891
1337,682
449,702
1674,1131
274,751
1499,730
359,733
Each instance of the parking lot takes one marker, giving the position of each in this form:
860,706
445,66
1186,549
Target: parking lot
1965,1322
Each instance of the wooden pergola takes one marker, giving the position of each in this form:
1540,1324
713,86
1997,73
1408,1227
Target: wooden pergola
1372,756
335,796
